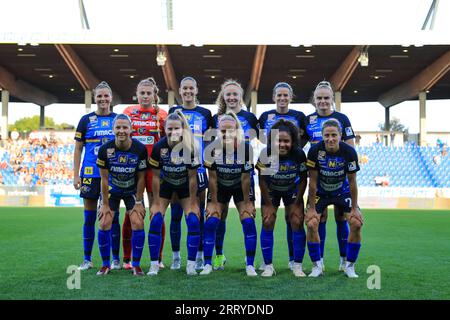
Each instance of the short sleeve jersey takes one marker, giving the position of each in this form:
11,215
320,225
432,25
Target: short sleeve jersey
333,168
93,130
248,122
230,167
282,175
314,123
200,120
174,168
268,118
144,125
123,166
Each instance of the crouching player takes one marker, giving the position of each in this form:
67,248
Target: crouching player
229,177
122,162
174,163
332,180
282,175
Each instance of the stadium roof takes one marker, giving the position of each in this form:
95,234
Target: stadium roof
49,73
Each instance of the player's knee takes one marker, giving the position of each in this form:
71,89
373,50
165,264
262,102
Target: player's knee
157,222
269,222
355,225
312,224
295,222
137,223
193,222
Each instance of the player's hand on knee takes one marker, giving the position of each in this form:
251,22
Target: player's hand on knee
355,213
212,209
311,214
249,208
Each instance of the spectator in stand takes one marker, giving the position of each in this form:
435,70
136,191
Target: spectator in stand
364,159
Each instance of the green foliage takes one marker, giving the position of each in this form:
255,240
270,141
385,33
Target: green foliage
412,267
29,124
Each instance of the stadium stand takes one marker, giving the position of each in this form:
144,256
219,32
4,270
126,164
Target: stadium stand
407,166
36,162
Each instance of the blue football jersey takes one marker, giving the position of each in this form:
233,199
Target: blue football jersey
333,168
93,130
314,123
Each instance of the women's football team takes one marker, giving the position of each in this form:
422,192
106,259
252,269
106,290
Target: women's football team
196,163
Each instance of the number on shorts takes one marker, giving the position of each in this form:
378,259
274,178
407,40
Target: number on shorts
349,200
201,179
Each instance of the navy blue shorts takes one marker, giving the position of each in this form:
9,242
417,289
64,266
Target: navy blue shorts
224,195
343,203
202,180
166,190
114,201
276,197
90,188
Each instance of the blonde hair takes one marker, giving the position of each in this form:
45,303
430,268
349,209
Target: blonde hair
220,101
188,138
231,116
150,81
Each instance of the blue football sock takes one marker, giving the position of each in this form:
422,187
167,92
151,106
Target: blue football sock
209,237
154,236
299,241
137,243
249,228
353,251
322,236
202,223
342,231
289,240
89,233
175,225
266,238
314,251
193,237
115,236
220,236
104,245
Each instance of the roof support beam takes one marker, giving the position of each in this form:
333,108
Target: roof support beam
23,90
421,82
169,73
345,71
258,63
80,70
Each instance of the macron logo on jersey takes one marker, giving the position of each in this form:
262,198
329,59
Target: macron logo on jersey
99,133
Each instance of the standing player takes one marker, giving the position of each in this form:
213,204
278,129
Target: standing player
199,120
332,180
282,96
93,130
323,101
174,168
147,121
229,170
122,164
230,98
283,175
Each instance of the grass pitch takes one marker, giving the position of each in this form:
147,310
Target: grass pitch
410,248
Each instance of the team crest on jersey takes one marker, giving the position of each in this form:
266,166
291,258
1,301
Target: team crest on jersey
321,155
110,152
105,140
134,111
145,116
270,116
132,161
123,159
164,152
313,119
93,119
105,123
332,164
141,130
154,117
